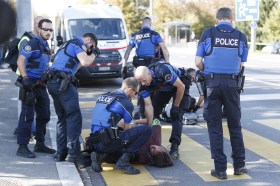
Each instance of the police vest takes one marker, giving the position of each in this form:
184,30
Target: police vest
145,45
224,56
37,64
69,63
102,117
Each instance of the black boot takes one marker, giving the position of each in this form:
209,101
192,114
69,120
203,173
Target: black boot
25,152
79,160
123,164
41,147
174,151
96,161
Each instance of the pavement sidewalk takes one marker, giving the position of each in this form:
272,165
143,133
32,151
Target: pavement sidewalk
16,170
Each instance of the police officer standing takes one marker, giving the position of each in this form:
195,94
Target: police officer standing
107,138
224,50
168,81
62,87
32,62
145,42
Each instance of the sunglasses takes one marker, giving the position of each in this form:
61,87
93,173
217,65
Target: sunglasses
136,92
47,29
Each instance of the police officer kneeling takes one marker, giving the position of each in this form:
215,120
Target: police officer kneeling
107,138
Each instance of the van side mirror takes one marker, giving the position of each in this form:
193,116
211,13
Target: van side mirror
59,40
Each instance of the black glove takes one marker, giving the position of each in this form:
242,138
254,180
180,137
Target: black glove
27,83
196,108
124,72
95,51
175,113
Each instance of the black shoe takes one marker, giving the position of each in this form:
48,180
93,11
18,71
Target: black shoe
41,147
123,164
96,161
25,152
174,151
60,157
240,171
220,175
79,160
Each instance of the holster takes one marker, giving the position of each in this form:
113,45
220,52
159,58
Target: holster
240,83
107,136
66,79
29,97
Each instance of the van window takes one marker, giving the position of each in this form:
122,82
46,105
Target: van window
104,29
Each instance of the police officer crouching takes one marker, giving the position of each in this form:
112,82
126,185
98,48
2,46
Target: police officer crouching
224,50
107,138
145,41
62,86
167,81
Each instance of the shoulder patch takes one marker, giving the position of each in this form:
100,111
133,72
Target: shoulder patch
168,77
27,48
84,48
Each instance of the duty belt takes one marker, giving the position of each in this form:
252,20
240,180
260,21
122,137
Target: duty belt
220,76
146,58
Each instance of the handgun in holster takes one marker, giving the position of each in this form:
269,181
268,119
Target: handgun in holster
200,84
241,80
66,79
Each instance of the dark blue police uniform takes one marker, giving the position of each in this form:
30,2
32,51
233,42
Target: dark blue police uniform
144,41
113,107
223,49
37,53
66,102
164,76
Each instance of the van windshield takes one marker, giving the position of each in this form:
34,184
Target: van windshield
104,29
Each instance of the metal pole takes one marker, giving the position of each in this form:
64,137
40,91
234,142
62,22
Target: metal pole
253,36
151,9
24,16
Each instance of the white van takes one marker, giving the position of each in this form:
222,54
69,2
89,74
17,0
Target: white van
108,24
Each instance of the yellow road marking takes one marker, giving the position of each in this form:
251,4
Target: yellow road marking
197,157
273,123
258,144
118,178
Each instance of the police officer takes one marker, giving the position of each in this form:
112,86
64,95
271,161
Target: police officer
224,50
32,62
61,86
168,81
110,109
145,42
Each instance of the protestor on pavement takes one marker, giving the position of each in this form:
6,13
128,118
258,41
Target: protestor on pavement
167,81
32,62
145,42
62,86
224,50
107,138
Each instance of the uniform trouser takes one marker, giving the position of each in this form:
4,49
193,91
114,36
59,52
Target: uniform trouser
42,108
159,101
130,141
224,92
69,124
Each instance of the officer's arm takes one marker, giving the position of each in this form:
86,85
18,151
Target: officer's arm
126,55
85,60
164,51
149,110
21,66
199,62
180,91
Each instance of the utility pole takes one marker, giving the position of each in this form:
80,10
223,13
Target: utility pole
151,8
24,16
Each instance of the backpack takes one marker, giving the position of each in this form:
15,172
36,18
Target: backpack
13,51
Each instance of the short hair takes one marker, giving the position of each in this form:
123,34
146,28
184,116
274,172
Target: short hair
162,159
130,82
224,13
91,36
146,20
40,24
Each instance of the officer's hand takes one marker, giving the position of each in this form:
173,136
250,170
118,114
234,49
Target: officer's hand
27,83
124,72
175,113
95,51
196,108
